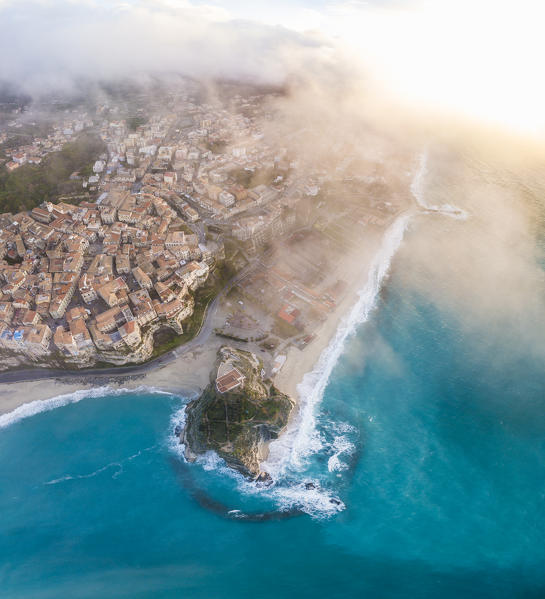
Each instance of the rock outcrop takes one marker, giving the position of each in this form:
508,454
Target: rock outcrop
237,414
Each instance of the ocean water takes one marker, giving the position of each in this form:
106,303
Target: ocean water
419,472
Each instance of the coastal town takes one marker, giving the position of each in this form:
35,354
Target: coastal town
185,195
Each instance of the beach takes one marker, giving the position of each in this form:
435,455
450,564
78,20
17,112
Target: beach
188,374
185,376
355,271
402,445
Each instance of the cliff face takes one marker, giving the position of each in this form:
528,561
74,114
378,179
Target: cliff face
237,424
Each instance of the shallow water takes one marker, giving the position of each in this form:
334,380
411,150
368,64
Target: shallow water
436,455
420,472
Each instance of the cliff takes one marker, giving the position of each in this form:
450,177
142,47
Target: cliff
237,414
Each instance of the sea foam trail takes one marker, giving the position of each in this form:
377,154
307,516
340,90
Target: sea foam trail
302,439
418,189
45,405
289,453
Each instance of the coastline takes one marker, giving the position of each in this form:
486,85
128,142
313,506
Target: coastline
293,445
189,374
185,376
300,362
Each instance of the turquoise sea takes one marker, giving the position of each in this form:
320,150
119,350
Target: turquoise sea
423,474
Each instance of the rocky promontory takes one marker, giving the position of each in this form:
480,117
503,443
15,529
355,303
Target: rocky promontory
238,413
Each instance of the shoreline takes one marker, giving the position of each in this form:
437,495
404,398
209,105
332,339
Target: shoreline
189,373
288,449
300,362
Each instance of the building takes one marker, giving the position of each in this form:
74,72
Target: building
226,199
98,167
64,341
110,320
130,333
114,292
229,378
81,335
122,264
142,278
87,289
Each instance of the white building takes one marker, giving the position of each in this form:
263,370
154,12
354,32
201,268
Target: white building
98,167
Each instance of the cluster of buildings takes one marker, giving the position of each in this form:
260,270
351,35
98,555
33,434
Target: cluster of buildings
97,278
35,151
209,163
94,277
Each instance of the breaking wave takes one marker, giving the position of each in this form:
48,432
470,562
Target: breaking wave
45,405
418,191
289,453
297,485
289,496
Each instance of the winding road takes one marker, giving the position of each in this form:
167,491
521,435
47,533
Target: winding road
38,374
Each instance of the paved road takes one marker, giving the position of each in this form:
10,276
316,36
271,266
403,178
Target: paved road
37,374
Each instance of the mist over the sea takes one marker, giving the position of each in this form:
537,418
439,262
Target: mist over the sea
430,432
416,467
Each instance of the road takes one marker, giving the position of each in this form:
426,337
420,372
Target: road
38,374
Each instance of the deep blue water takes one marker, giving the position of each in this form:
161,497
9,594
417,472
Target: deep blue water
440,464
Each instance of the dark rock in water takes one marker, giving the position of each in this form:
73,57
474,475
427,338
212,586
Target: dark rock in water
178,430
309,486
264,479
334,501
238,421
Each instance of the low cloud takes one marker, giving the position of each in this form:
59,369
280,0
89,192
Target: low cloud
49,44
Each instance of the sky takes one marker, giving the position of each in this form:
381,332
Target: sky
479,59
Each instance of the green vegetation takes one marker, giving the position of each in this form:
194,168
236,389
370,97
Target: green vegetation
217,147
164,343
191,326
216,282
30,185
164,340
284,329
133,122
24,135
250,179
236,423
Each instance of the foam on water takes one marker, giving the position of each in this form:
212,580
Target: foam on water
117,466
295,485
45,405
341,445
177,421
118,470
286,494
418,191
289,453
287,462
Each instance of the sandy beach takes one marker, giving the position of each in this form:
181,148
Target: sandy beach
354,270
190,373
185,376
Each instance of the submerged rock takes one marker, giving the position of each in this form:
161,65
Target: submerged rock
264,479
237,414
